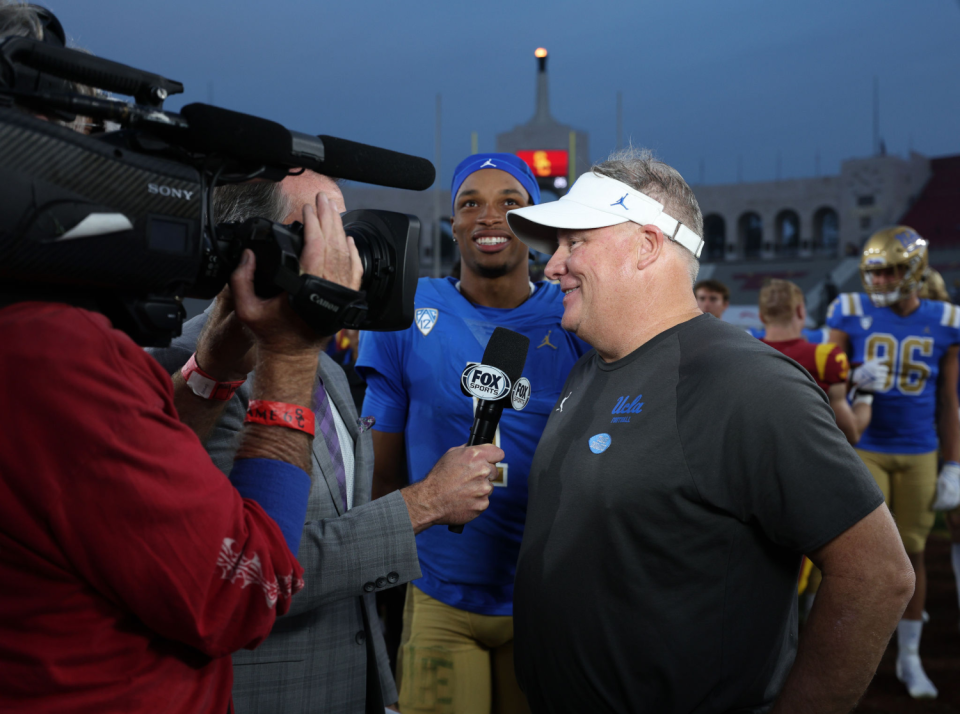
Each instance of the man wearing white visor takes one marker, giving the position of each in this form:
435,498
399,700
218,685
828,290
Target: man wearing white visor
682,475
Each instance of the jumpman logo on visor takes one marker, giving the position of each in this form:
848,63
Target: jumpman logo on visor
621,203
488,162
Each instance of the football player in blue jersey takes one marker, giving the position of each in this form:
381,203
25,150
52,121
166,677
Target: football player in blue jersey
456,650
916,402
935,288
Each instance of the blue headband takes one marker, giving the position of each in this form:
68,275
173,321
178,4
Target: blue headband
513,165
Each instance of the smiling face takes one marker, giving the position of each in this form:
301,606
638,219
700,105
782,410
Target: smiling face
487,246
596,269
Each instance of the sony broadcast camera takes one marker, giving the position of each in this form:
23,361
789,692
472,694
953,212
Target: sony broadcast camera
122,222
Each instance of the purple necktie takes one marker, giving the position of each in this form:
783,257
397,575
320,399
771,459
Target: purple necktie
328,429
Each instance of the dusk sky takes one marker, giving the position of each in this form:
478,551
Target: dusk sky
702,80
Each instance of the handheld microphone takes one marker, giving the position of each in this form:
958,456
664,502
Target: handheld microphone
496,383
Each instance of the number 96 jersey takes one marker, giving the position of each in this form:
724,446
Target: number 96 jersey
904,408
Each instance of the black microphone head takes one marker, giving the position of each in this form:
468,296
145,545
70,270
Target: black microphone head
370,164
507,351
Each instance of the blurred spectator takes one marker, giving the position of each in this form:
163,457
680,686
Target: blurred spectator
934,287
712,297
784,314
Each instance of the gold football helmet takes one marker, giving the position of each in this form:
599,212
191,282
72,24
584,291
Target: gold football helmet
934,287
900,249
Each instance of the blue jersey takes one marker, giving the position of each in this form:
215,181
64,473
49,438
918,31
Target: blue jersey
904,409
817,336
413,379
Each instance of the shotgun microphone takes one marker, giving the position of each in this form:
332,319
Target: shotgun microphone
261,141
496,383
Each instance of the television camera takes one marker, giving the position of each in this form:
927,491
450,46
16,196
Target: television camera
122,222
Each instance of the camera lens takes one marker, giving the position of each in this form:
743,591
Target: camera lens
377,256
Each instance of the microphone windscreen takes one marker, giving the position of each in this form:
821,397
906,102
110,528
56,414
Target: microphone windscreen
215,130
255,140
370,164
507,351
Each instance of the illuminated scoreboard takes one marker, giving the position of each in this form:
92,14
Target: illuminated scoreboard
546,163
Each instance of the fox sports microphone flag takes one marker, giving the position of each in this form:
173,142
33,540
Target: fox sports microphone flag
506,352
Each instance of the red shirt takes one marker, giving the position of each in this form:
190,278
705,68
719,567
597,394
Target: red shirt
130,567
826,362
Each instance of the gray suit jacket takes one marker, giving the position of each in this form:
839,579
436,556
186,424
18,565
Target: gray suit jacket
315,659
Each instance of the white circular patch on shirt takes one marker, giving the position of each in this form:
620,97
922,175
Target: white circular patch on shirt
520,394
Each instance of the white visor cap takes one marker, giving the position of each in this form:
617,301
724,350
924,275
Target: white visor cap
596,201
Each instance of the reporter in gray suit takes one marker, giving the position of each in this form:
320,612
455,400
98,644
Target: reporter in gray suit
327,654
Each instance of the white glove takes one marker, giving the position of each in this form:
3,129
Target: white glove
948,487
871,375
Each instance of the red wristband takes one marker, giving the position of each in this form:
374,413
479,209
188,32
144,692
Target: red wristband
205,386
292,416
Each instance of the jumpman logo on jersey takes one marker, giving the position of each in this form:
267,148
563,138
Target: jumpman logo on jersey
546,341
561,403
488,162
621,203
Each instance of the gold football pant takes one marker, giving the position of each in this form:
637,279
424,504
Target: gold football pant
455,662
909,485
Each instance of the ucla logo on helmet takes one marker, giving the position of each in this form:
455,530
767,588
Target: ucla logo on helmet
907,238
425,319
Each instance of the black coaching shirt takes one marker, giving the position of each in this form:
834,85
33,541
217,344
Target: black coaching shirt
671,497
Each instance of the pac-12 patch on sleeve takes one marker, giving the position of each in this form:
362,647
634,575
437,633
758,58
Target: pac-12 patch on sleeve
425,319
599,443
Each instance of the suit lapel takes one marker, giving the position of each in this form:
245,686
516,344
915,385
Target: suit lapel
338,392
321,455
324,464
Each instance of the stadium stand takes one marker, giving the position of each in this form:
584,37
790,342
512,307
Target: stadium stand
745,278
936,213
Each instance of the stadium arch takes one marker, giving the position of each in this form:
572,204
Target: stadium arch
715,236
788,232
826,231
750,234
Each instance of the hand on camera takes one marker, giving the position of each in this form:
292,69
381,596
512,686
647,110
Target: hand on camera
457,489
327,253
226,348
871,375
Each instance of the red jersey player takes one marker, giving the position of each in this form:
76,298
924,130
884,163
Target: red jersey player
784,314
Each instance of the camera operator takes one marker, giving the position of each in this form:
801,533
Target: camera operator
327,654
132,567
